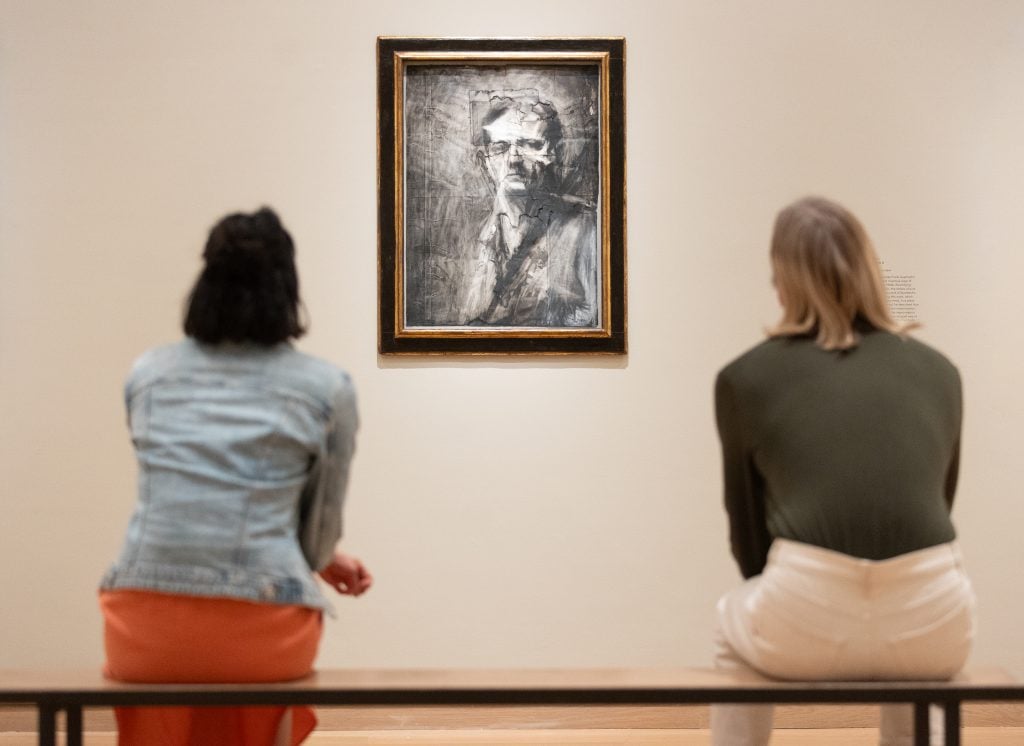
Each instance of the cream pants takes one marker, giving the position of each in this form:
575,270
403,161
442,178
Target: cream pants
815,614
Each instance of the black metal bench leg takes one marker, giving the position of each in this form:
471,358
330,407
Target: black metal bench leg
47,725
922,736
74,725
952,723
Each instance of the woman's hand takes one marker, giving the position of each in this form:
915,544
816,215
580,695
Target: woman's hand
347,575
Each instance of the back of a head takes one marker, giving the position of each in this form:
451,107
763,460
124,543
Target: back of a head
248,290
827,274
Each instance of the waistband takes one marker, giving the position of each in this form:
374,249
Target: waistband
793,554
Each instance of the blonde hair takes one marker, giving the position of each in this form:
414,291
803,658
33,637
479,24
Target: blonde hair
827,275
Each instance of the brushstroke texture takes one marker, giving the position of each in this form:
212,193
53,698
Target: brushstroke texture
522,251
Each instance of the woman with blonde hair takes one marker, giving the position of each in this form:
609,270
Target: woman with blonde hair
840,442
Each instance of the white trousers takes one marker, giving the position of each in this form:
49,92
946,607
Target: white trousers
816,615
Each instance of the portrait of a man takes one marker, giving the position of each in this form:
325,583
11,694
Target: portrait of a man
501,194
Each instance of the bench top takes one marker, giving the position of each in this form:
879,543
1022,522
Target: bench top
633,686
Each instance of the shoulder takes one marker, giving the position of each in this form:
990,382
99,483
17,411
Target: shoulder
156,362
927,354
903,347
750,358
571,215
156,357
317,376
764,361
915,357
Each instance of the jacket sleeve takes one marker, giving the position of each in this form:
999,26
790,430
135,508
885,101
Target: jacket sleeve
744,486
320,522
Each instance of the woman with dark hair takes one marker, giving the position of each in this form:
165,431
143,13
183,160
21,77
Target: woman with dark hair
243,447
840,443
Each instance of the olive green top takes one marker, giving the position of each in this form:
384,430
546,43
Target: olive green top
855,451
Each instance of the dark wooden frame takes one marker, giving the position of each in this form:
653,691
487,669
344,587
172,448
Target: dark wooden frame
393,337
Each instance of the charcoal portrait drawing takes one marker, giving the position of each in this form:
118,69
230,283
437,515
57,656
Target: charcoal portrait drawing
501,194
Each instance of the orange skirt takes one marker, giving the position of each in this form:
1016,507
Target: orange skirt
165,638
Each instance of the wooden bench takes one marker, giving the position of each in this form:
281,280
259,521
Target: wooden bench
52,692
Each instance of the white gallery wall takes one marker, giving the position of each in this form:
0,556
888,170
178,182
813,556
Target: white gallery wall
515,511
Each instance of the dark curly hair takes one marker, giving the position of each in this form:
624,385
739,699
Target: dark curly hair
248,290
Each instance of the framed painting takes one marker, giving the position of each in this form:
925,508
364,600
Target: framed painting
501,205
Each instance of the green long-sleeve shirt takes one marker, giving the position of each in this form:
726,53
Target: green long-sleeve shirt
856,451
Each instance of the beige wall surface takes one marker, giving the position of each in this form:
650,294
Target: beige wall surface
515,511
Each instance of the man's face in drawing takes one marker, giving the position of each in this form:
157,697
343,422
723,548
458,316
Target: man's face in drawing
519,151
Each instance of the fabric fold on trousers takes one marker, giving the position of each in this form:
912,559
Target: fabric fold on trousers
818,615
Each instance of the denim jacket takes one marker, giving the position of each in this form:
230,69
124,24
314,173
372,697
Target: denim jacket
243,456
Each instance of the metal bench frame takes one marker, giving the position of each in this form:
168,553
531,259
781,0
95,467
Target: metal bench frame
69,692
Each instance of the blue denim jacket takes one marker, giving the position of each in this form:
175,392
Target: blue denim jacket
243,455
